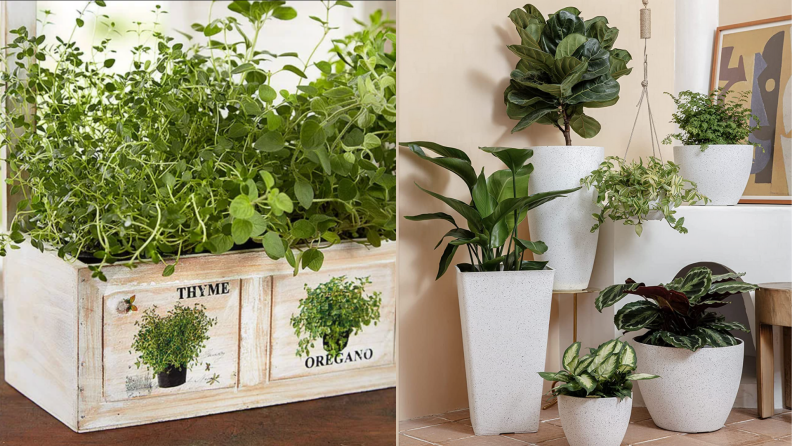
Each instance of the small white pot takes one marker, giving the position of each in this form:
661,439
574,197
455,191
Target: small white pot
721,172
564,224
594,421
505,317
695,391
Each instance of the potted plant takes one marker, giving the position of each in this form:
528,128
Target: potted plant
334,311
690,347
567,65
171,344
633,192
595,397
714,132
504,300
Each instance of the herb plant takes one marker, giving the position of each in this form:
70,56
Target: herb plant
630,191
566,65
606,372
175,340
676,313
334,311
499,203
191,150
705,119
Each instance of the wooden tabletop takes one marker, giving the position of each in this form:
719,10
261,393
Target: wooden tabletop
776,286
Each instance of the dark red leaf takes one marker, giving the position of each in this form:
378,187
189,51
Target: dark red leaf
667,299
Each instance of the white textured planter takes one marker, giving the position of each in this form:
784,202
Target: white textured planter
695,391
564,224
594,421
505,317
721,172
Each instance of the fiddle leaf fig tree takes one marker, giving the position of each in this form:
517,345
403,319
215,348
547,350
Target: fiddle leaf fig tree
566,65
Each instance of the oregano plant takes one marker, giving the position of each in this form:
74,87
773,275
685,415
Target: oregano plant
192,150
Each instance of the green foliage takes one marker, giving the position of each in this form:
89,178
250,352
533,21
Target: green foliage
334,311
629,191
191,150
175,340
676,313
606,372
566,65
499,203
706,119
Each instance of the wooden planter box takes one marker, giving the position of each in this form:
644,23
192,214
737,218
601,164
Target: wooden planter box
67,342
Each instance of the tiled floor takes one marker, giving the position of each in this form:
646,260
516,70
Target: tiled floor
743,428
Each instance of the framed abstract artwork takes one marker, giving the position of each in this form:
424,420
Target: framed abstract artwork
755,56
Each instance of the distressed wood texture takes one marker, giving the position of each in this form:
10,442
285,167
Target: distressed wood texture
68,345
773,307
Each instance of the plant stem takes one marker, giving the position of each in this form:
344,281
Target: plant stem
566,130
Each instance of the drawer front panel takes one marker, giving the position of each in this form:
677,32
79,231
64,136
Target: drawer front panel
217,366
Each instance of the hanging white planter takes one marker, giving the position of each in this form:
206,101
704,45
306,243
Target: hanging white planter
695,391
505,317
720,172
565,224
594,421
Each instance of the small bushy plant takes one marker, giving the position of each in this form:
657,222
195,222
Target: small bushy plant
334,311
719,117
174,340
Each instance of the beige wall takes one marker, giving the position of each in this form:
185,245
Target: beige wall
739,11
454,66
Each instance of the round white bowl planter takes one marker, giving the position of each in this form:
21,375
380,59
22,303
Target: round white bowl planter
721,172
695,391
594,421
505,317
564,224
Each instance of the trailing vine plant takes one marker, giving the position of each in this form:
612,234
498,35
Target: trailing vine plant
192,150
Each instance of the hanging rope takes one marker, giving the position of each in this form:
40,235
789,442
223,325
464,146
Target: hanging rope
646,33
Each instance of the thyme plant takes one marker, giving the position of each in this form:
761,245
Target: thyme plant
192,150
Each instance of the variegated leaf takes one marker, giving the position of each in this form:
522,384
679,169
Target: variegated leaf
583,364
696,283
549,376
571,356
587,382
636,315
727,276
627,358
731,288
727,326
714,338
692,343
608,367
571,387
602,352
641,376
613,294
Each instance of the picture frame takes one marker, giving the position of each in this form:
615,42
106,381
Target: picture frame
738,49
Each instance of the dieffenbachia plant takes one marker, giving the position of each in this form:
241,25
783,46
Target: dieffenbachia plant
566,65
606,372
498,204
675,314
628,191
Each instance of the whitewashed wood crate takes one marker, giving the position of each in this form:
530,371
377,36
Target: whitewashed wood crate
67,343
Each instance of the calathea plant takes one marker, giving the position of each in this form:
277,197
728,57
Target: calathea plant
192,150
675,314
633,191
566,65
334,311
719,117
498,204
605,372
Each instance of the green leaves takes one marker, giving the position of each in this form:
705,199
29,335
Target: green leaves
514,159
269,142
312,135
636,316
568,46
273,245
241,230
241,207
641,376
304,193
570,357
458,166
585,126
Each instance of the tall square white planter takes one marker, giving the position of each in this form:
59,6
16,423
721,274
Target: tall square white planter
505,317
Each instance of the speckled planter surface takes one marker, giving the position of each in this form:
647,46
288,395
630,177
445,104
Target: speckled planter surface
505,317
695,391
721,172
564,224
594,421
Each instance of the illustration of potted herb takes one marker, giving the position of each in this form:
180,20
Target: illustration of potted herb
690,347
333,311
567,66
595,392
169,345
634,192
504,300
714,130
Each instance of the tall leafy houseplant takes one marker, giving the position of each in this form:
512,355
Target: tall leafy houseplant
566,65
498,204
192,150
333,311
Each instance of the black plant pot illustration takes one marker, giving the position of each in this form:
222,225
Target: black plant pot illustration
172,377
341,339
